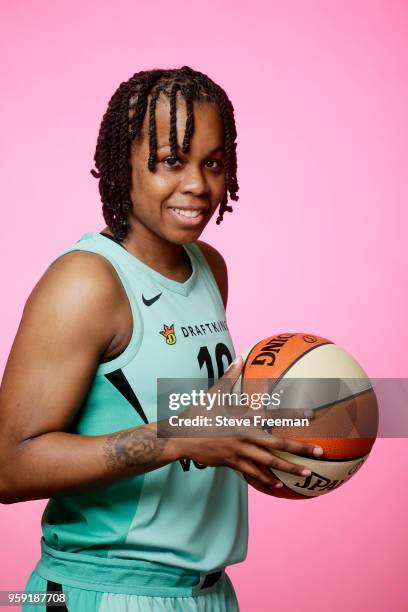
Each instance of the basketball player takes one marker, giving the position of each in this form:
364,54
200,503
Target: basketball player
134,521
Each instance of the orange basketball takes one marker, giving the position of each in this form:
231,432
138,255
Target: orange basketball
308,372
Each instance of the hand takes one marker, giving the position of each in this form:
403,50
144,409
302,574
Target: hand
270,489
246,450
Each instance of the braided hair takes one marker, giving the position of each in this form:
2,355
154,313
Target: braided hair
121,124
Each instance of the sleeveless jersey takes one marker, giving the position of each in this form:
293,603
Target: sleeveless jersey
183,514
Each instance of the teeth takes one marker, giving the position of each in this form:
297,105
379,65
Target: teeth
187,213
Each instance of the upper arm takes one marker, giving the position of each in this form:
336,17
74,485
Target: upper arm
218,267
67,322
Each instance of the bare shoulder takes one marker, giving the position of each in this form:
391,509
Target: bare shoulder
78,275
68,321
78,290
218,267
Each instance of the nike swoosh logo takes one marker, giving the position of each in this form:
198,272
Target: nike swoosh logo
151,301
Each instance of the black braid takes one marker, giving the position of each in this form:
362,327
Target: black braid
187,93
121,124
173,119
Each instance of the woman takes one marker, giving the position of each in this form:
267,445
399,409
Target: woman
136,521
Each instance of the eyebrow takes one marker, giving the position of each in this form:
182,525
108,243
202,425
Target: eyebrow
216,150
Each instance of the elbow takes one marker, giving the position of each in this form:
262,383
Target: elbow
16,482
8,496
12,497
5,492
3,488
3,500
8,484
5,497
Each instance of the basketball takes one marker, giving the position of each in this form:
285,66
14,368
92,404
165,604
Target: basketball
305,372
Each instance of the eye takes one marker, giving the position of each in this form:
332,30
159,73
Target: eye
171,161
218,163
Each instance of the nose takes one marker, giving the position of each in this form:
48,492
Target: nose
194,181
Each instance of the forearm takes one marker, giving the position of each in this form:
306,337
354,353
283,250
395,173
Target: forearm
59,463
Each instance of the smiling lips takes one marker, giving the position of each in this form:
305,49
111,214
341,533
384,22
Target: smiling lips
191,213
188,217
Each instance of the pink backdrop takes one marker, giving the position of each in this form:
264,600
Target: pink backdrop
316,243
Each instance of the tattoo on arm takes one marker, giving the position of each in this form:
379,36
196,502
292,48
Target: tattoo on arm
132,448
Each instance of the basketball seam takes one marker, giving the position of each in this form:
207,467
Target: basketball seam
326,459
313,348
343,399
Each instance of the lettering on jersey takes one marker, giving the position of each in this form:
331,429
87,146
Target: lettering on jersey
186,464
169,334
202,329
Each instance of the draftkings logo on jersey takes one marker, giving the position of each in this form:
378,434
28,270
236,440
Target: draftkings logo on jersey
205,328
169,334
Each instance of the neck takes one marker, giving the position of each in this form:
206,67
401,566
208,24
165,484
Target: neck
156,252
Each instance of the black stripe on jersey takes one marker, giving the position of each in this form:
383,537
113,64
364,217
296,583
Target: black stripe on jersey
113,238
119,380
211,579
53,587
184,254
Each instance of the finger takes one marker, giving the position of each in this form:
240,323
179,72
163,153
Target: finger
284,413
233,371
291,446
250,470
260,487
223,384
293,413
277,463
229,378
268,459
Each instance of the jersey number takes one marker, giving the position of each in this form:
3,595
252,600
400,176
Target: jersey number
204,358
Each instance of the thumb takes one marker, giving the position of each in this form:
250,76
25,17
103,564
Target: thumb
234,370
238,361
230,376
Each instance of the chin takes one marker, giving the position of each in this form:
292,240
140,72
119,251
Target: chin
184,237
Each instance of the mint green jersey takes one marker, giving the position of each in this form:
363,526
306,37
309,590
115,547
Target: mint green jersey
184,514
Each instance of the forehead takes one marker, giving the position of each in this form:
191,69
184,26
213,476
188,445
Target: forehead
208,125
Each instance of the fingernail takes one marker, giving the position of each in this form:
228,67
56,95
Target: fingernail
233,364
306,472
278,485
318,450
